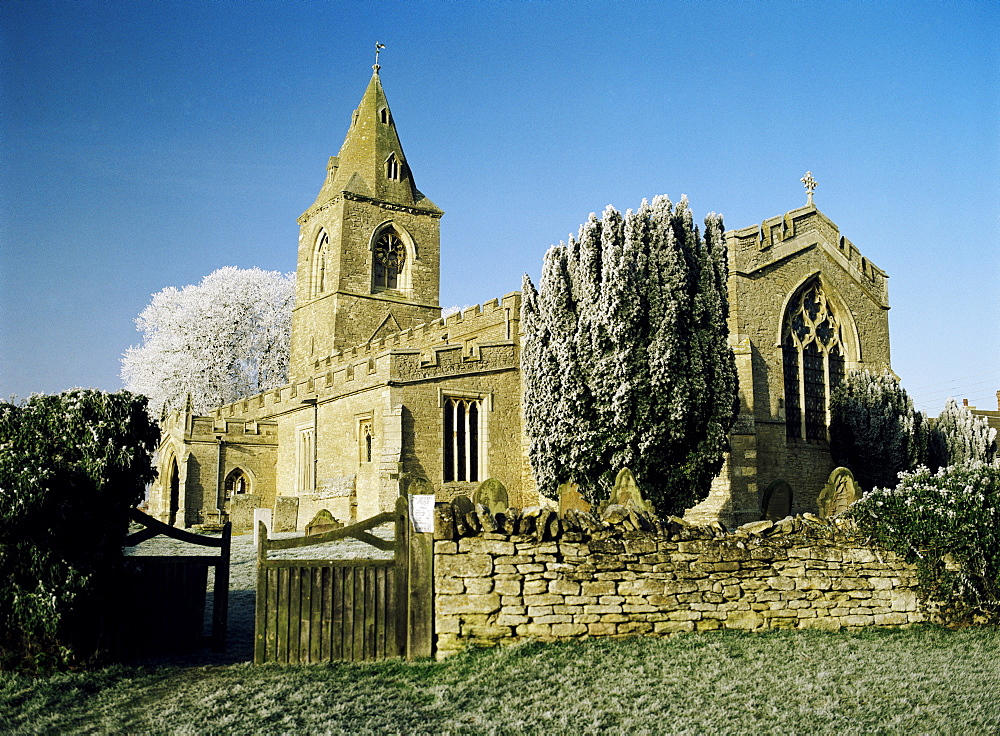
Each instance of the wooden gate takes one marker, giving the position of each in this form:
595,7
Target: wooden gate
326,610
163,598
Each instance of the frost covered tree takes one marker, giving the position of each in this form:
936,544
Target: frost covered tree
959,436
874,429
219,341
625,359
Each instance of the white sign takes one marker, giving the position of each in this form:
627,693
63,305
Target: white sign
422,514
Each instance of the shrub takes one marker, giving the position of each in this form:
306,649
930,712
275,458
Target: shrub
958,435
71,467
947,524
874,429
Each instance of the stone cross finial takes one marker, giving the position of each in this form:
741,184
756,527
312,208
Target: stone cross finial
810,186
378,48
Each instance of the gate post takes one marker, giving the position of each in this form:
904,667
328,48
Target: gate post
415,560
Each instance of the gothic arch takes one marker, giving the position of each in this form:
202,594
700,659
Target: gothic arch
321,263
387,266
239,481
852,343
816,348
776,501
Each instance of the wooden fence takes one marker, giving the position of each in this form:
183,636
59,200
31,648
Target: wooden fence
324,610
163,599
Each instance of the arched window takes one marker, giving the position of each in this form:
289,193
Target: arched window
321,258
389,256
175,488
813,357
392,168
237,483
461,439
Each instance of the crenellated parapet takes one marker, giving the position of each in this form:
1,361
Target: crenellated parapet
756,248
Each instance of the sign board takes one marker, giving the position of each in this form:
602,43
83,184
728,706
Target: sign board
422,514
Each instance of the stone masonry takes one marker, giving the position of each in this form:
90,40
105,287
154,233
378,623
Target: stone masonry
577,577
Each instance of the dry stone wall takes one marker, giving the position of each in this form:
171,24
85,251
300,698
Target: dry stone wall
506,577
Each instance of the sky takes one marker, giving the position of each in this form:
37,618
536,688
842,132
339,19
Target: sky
146,144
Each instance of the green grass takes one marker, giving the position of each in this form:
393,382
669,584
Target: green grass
921,680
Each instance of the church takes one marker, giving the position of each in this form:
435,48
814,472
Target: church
382,391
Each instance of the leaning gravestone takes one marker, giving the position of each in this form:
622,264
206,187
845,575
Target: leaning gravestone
492,494
462,504
840,491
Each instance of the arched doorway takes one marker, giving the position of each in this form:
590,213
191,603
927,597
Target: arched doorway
175,492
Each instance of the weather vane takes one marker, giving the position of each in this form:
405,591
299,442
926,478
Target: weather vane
810,186
378,48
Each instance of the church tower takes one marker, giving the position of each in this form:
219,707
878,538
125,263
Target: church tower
369,246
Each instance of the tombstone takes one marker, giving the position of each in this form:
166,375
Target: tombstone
840,491
322,522
626,493
241,510
571,498
417,486
258,516
462,505
286,513
491,494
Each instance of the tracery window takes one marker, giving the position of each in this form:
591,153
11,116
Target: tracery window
321,256
813,362
365,444
237,483
462,437
389,257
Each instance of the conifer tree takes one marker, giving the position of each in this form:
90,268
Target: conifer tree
626,361
960,436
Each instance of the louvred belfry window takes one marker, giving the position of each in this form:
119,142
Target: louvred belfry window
813,362
390,254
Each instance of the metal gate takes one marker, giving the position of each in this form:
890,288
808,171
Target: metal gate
324,610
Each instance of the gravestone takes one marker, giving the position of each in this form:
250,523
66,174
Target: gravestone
417,486
286,514
492,494
840,491
571,498
626,493
261,515
462,504
241,508
322,522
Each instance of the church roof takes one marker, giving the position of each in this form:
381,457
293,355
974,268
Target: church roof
371,162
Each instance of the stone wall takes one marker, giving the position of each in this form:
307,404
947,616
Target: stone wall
531,574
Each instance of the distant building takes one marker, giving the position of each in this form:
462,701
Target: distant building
382,390
992,417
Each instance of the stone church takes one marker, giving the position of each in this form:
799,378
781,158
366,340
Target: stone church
383,390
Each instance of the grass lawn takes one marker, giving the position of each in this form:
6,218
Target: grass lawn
921,680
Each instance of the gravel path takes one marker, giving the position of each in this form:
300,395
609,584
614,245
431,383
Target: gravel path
243,579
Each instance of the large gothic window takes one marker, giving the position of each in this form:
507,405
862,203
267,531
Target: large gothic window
389,256
321,265
813,356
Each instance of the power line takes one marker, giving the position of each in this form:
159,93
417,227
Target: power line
954,380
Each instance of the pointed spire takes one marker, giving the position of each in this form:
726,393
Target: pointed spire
371,162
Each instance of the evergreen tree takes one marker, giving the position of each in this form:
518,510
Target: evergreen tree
959,436
626,361
874,429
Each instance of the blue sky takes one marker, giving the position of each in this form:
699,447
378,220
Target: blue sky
145,144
